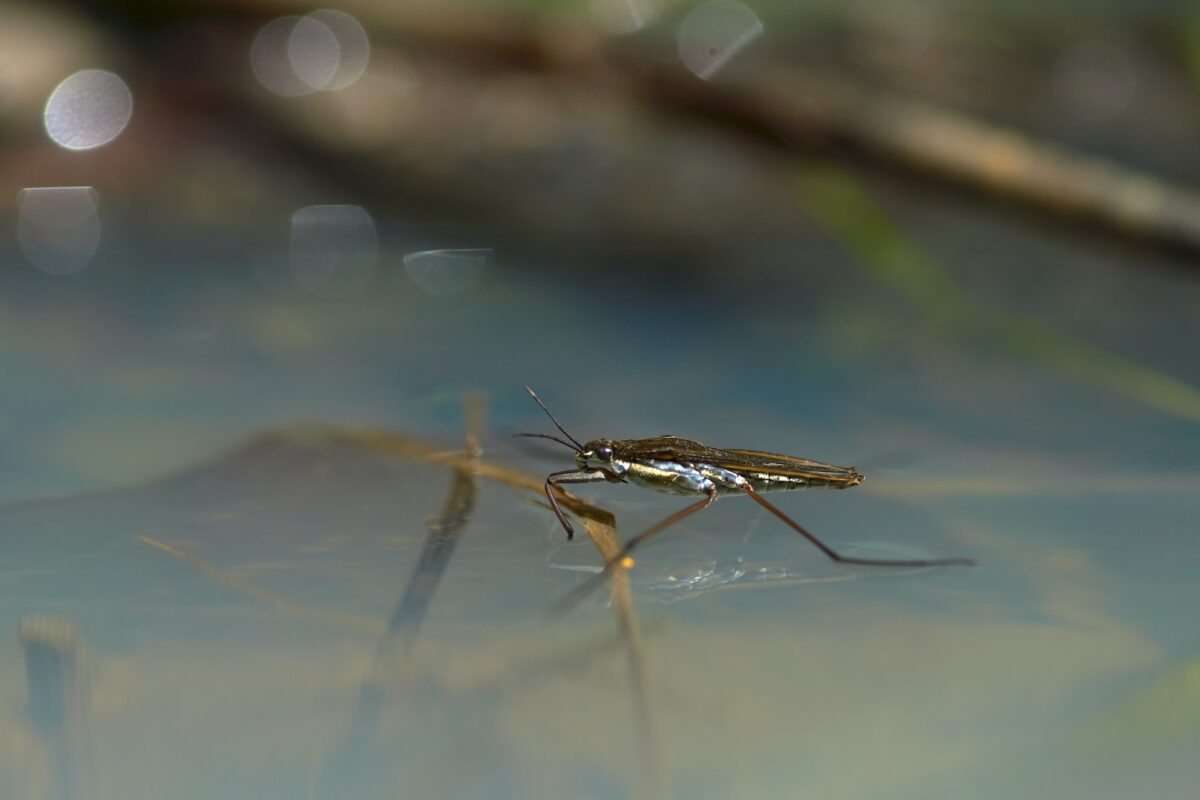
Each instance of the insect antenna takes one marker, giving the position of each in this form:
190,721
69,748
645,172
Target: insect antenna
578,447
551,438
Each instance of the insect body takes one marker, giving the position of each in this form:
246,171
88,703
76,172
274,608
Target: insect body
680,466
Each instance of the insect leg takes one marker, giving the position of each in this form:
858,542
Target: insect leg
833,555
591,584
569,476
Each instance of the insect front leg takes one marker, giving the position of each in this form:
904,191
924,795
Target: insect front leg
570,476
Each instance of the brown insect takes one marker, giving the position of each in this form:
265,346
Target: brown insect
681,466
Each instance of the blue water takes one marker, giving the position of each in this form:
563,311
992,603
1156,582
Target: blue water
1057,667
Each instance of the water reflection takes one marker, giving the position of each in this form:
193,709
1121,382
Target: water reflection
259,678
56,676
669,575
339,768
436,691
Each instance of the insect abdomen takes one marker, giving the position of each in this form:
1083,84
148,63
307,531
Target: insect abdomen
667,476
769,482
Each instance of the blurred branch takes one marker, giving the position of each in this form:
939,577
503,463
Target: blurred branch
848,211
804,107
804,110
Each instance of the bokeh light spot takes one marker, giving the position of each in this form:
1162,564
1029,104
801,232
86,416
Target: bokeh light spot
313,52
713,33
446,271
624,16
270,58
354,48
58,227
334,249
88,109
324,50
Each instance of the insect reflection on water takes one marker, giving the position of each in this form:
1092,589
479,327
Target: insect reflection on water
673,578
675,465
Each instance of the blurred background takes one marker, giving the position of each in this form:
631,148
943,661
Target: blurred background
264,265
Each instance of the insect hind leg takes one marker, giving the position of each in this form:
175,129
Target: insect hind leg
835,556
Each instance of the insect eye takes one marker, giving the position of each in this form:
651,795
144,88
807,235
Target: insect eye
605,452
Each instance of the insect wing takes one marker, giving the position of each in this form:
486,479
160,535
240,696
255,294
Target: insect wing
664,448
776,463
674,448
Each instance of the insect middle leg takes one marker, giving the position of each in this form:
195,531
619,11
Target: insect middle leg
590,585
570,476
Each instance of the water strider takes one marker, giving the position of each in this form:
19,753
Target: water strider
680,466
